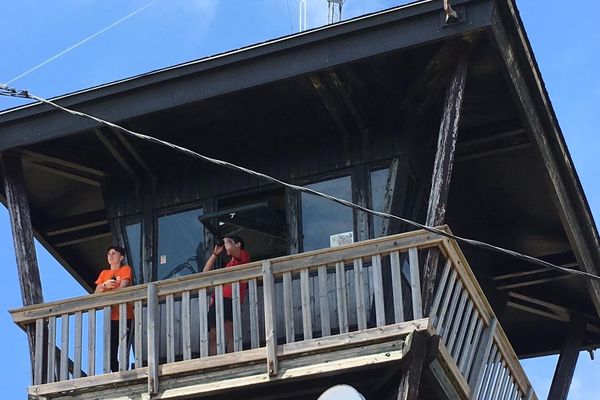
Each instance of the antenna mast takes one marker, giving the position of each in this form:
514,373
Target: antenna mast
302,13
335,10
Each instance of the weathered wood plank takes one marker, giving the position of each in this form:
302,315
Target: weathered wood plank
138,333
305,300
481,356
397,286
153,332
220,321
288,310
324,301
186,328
91,347
203,322
78,345
106,328
378,292
64,348
38,367
359,290
270,317
170,322
123,343
433,313
237,317
253,307
341,296
415,283
51,371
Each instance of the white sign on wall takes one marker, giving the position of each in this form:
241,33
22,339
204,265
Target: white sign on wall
340,239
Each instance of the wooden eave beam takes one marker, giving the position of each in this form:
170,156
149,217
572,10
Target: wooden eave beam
544,132
77,222
116,154
138,157
32,156
74,237
62,173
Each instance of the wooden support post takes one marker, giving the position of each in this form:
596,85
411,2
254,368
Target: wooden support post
153,332
292,200
147,245
567,360
409,385
442,169
22,232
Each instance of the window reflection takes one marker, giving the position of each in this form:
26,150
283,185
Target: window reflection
379,180
133,233
324,221
180,244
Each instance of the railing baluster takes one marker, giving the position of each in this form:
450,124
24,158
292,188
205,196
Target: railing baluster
186,334
482,355
451,315
359,290
270,327
170,328
467,322
486,370
220,322
415,282
288,310
78,339
324,301
153,335
237,317
106,340
342,301
38,369
138,333
499,379
443,312
440,290
203,322
477,337
505,382
397,287
91,369
64,348
253,306
493,376
123,345
51,349
458,318
305,299
378,289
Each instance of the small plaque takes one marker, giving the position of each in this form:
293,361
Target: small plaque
163,259
340,239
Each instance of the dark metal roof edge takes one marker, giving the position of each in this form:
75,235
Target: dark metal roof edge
219,60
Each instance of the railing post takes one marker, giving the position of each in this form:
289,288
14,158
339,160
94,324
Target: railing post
152,339
270,331
481,356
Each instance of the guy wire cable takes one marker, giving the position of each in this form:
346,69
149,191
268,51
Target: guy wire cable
472,242
81,42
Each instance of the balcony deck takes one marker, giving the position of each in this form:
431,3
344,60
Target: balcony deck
327,313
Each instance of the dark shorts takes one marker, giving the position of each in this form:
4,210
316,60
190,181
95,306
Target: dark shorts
227,311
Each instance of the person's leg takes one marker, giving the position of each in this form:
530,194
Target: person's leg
114,346
212,331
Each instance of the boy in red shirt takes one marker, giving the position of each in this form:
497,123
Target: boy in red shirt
234,247
117,276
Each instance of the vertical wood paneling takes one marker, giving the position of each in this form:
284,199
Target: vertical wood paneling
324,301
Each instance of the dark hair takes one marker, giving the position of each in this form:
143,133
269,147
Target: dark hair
118,249
236,240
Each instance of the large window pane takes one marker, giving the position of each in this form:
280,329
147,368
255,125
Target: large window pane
180,244
323,221
133,233
379,180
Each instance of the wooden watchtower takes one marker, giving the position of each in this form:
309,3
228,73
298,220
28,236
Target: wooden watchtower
443,122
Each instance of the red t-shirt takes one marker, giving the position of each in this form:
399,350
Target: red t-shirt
124,272
227,289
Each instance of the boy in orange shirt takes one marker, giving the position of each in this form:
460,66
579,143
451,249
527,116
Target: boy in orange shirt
117,276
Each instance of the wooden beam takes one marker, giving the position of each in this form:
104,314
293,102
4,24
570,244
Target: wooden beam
77,222
409,385
64,174
534,282
140,160
22,232
37,157
442,169
116,154
567,360
568,196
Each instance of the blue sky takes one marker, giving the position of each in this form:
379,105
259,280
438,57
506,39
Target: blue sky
564,37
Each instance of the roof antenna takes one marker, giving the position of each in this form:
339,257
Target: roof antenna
302,23
335,10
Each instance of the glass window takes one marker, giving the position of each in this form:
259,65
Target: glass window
325,223
379,180
180,244
133,235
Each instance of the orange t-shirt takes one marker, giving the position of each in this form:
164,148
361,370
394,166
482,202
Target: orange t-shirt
124,272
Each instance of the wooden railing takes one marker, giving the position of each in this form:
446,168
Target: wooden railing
294,305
